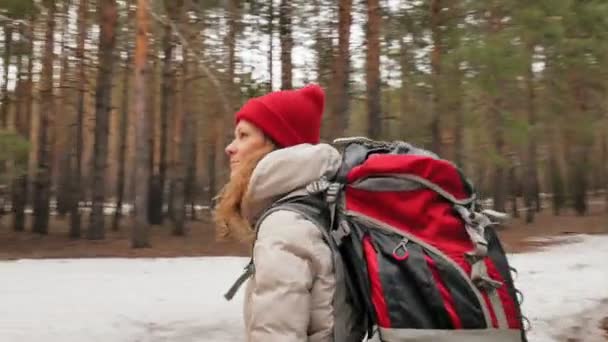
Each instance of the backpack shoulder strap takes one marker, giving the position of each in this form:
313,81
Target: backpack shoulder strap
311,207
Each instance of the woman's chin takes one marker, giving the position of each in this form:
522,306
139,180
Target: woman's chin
232,172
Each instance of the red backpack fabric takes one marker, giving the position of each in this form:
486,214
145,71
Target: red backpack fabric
423,260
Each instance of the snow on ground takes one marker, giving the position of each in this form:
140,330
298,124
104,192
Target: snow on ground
180,299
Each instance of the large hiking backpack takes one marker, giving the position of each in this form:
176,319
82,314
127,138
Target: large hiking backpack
421,260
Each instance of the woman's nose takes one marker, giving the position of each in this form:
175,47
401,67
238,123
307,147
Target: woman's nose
230,150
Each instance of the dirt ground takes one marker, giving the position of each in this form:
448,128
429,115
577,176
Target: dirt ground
200,239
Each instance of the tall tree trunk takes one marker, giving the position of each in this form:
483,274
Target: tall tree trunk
531,180
20,91
76,184
372,69
514,188
270,44
122,151
179,213
436,76
555,173
108,14
29,88
341,73
185,145
325,53
233,28
459,125
19,186
18,121
496,116
154,193
139,236
285,35
405,102
604,166
557,185
579,159
167,86
61,154
22,188
211,167
578,178
42,194
499,179
8,43
191,187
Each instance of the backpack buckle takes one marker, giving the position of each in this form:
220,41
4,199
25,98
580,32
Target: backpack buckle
340,233
318,186
332,192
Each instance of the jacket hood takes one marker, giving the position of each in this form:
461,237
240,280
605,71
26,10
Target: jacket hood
286,171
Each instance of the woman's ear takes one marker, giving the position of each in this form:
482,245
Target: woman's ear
270,142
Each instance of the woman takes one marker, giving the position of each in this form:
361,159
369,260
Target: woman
293,294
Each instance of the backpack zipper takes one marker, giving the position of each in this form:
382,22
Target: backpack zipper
410,237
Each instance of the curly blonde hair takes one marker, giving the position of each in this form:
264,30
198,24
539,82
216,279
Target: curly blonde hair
227,216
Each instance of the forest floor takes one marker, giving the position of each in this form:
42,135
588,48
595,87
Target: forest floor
517,236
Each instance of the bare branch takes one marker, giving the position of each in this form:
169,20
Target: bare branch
200,64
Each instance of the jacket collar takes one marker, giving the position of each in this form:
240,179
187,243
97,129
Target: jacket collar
286,172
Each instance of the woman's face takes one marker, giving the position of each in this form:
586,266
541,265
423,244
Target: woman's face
247,140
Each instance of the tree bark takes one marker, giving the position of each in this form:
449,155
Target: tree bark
499,186
513,189
139,236
372,67
154,205
405,98
285,36
436,76
76,184
186,126
459,150
108,14
19,185
579,159
122,152
44,173
270,44
341,73
191,185
531,180
167,86
61,153
604,169
8,43
233,28
22,188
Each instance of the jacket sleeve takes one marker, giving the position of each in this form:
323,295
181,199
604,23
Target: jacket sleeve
286,257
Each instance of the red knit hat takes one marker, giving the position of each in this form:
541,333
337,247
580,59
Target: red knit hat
288,117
